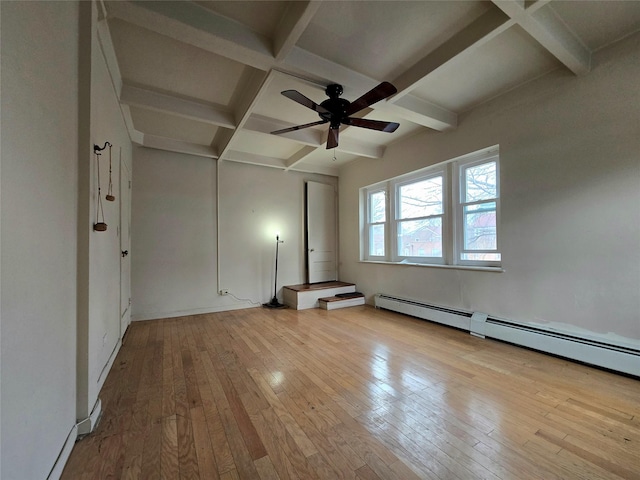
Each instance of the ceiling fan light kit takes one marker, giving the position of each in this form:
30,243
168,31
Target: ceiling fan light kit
337,111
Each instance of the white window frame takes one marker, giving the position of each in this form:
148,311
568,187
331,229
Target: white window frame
460,168
366,247
452,172
395,186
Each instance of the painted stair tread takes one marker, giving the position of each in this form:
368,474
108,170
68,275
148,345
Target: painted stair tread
349,294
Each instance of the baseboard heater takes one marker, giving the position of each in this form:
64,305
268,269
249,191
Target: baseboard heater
601,353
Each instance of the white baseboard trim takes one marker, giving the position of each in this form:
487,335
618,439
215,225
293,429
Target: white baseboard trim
605,351
139,317
109,364
63,456
88,425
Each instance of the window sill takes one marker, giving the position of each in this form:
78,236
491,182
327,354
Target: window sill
434,265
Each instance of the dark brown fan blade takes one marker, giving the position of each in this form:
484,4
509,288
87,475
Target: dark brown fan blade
302,100
382,91
299,127
372,124
332,139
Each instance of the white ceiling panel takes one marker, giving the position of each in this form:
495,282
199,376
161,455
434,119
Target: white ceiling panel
260,16
273,104
264,144
382,138
384,37
153,60
328,158
510,59
171,126
599,23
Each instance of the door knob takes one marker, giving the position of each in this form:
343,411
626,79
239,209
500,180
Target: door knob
125,253
312,249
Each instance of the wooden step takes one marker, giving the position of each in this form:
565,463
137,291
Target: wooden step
333,303
306,295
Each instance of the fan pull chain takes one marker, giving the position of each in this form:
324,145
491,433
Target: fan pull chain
110,196
334,155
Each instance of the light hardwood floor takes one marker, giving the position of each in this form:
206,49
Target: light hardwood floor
357,393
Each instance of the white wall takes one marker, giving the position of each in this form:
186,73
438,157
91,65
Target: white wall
99,332
255,204
39,218
570,176
174,244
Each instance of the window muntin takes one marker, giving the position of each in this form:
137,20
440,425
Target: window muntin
446,214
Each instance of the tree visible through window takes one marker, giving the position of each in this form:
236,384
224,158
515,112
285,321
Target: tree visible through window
419,227
377,218
479,195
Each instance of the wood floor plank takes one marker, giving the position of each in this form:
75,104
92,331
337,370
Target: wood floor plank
207,467
353,393
265,469
169,465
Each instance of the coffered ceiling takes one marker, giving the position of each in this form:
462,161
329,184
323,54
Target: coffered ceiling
205,77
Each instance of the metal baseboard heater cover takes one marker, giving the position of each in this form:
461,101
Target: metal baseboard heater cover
605,354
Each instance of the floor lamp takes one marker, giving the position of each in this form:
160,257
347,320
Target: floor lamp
274,303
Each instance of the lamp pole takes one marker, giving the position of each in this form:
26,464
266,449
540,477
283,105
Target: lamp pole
274,303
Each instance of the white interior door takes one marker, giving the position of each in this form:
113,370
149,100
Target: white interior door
321,233
125,246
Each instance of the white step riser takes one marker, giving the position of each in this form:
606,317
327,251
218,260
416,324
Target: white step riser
309,298
347,302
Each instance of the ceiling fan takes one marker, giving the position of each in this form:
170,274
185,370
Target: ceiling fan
337,111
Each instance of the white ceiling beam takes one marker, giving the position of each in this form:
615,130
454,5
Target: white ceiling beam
136,136
423,113
196,25
245,107
292,25
200,111
551,32
263,161
299,156
305,63
253,159
111,61
362,149
306,136
315,168
172,145
484,28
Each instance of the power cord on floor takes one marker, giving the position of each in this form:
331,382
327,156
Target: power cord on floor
244,299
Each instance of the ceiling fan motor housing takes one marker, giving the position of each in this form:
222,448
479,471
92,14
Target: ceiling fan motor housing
336,106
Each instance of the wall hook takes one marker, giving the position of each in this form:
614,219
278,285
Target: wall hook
96,148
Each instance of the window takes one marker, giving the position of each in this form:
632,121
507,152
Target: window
377,214
477,212
418,220
445,214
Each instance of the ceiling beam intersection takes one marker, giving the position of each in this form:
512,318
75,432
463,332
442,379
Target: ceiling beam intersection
292,25
543,24
479,32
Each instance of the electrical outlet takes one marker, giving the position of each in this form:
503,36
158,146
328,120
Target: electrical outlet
224,291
